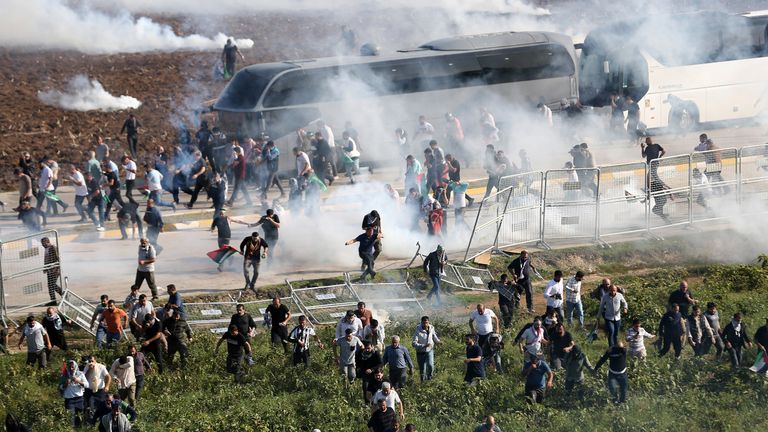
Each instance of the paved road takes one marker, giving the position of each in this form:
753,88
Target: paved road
308,248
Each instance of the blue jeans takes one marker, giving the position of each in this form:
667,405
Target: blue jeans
577,307
612,328
435,287
94,204
617,385
101,335
426,362
157,196
113,337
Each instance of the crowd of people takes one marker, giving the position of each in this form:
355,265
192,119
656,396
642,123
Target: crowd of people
107,396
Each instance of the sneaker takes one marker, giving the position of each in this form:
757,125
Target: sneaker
188,205
155,298
124,238
99,228
173,206
218,267
531,311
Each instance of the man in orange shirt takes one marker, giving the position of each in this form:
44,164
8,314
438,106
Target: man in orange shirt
116,320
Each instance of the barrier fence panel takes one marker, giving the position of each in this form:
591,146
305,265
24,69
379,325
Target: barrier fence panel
521,221
622,206
78,310
393,300
570,204
489,215
753,179
324,304
714,184
465,277
31,274
217,315
669,191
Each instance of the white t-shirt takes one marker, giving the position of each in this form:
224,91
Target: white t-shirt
327,134
131,165
138,311
356,325
46,175
80,189
154,179
392,398
302,161
96,376
554,288
636,344
34,335
484,322
532,339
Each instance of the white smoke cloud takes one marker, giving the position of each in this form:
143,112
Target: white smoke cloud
54,24
84,94
233,6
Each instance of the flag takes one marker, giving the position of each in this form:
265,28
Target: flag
313,178
221,254
52,196
760,362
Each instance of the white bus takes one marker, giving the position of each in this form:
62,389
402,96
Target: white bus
681,69
378,94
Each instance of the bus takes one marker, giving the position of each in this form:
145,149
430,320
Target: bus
682,70
378,94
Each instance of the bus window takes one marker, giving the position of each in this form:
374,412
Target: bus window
302,87
451,71
282,122
526,64
397,77
243,91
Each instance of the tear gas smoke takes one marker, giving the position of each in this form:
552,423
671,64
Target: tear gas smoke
55,24
84,94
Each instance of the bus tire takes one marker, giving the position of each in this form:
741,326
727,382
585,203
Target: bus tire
684,118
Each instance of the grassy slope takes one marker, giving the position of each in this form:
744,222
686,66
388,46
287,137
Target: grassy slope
694,394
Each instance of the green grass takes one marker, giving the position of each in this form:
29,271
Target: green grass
689,394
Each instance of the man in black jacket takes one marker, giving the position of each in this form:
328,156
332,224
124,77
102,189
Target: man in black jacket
671,331
131,128
154,220
735,337
251,247
520,269
434,265
175,328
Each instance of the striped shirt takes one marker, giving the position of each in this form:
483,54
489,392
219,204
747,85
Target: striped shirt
300,338
573,290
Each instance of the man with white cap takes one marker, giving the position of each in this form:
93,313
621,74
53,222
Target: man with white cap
388,394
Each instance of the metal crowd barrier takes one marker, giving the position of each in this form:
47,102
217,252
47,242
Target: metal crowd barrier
621,199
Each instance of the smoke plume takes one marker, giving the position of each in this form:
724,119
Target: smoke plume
54,24
84,94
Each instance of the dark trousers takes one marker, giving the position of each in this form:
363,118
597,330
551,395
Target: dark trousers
617,385
301,357
129,186
240,187
38,357
397,377
719,345
507,313
80,207
368,264
53,287
133,145
156,350
736,357
96,203
114,196
435,287
493,182
526,285
129,221
272,180
536,393
253,264
139,385
279,334
673,340
199,185
141,276
177,346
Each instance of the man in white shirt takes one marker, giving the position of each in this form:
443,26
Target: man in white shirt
44,184
424,340
553,295
37,342
81,191
349,321
611,307
124,374
388,394
531,340
303,167
573,298
74,384
155,187
635,337
425,132
137,313
374,333
129,166
99,381
483,322
327,134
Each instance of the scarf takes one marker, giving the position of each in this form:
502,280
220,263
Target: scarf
736,327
